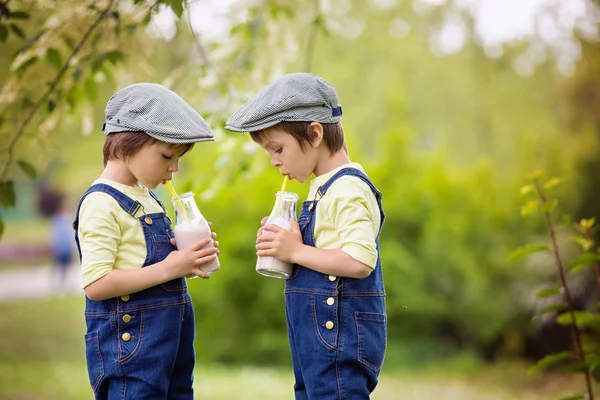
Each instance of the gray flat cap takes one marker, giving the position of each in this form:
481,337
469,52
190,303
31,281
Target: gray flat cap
158,111
293,97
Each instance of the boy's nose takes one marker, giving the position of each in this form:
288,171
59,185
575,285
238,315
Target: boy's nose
275,162
174,167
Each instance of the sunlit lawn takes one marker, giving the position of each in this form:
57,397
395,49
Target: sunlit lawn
42,357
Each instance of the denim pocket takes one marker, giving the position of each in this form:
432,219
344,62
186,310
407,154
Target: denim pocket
372,338
95,363
325,318
132,333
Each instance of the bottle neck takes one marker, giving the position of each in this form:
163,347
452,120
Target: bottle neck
285,208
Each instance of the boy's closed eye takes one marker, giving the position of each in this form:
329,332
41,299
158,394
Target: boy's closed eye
166,157
278,150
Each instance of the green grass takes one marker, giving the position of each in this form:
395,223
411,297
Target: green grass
42,358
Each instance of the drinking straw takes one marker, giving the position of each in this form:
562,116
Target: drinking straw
283,186
285,182
176,197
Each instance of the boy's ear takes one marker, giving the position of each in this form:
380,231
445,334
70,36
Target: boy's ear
316,134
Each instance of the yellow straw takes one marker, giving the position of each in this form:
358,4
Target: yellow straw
285,182
283,186
176,197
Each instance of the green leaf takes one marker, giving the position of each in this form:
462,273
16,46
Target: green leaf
554,307
548,292
550,205
526,250
585,243
595,369
578,367
549,360
70,42
574,397
1,226
27,168
3,33
552,183
536,175
176,6
23,67
51,106
530,208
115,56
7,194
19,15
564,221
17,31
54,58
583,318
526,189
582,261
97,63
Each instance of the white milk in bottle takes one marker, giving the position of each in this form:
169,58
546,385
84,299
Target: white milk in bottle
283,211
191,227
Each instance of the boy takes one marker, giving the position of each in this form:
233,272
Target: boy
139,314
335,298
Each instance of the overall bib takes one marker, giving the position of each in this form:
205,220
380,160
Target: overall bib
337,327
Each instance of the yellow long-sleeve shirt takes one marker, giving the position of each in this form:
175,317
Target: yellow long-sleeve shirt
109,237
347,216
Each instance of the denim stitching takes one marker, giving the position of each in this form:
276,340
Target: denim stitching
138,346
361,358
96,343
316,323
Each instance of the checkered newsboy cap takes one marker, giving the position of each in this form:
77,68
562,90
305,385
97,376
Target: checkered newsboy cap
293,97
157,111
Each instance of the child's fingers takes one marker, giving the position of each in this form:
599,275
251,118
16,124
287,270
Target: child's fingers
294,225
214,235
266,253
273,228
216,244
201,274
203,253
264,245
263,221
266,237
200,244
173,242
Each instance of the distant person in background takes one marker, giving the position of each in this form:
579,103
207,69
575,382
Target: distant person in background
62,241
52,204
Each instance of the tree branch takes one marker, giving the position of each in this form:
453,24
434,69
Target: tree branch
312,38
202,52
50,90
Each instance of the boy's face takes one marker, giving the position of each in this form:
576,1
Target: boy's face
154,164
287,155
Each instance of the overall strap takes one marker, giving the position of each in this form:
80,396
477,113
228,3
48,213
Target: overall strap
349,171
129,205
155,197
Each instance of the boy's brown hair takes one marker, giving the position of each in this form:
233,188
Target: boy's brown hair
122,145
333,134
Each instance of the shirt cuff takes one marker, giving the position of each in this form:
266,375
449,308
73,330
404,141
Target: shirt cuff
361,254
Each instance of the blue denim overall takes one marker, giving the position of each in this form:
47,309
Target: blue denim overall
336,326
141,345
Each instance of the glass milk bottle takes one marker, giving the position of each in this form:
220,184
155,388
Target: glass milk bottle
191,227
283,211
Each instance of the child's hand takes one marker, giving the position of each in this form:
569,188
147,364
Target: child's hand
280,244
262,223
187,261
